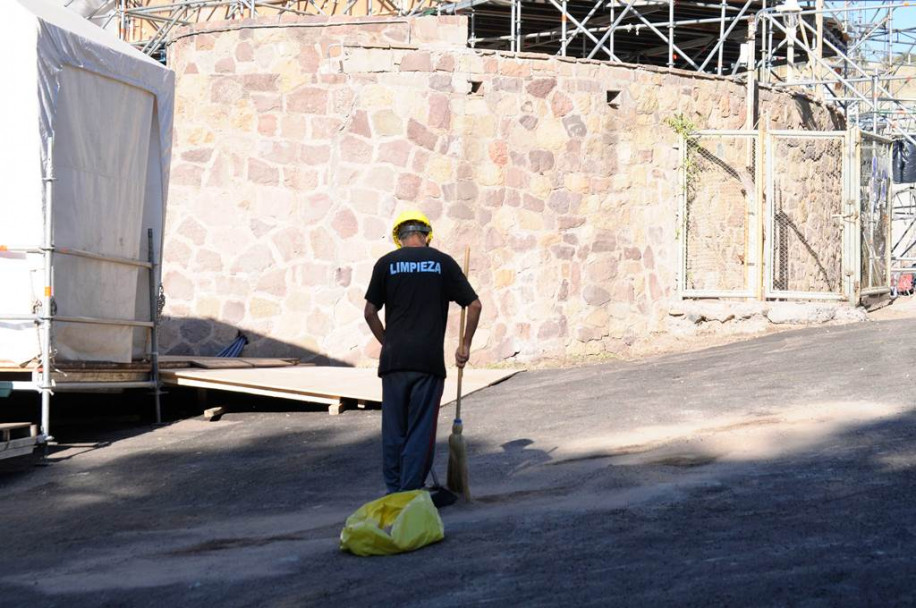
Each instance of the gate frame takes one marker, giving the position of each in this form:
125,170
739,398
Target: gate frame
776,294
888,238
761,219
754,220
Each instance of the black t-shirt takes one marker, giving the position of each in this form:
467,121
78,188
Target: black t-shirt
415,286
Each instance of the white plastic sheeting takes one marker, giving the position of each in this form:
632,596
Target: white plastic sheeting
107,108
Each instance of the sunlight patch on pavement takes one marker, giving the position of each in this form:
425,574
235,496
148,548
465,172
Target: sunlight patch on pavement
733,438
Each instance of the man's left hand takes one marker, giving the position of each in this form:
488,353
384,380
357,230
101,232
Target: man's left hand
461,356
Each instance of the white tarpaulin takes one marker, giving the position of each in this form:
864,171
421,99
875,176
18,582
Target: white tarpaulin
107,110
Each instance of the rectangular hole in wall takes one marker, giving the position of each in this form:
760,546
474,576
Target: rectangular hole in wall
476,88
613,98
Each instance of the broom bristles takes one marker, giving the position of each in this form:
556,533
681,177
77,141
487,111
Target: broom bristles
457,477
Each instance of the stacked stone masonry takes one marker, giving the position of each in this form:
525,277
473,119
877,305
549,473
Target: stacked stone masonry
298,142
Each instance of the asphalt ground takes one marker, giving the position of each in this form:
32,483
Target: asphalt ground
777,471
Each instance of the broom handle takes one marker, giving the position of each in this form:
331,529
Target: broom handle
464,311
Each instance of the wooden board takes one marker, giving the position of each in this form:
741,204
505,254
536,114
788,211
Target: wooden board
12,366
165,362
80,366
251,390
328,385
17,439
94,370
9,426
182,362
94,376
18,447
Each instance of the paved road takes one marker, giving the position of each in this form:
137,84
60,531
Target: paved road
773,472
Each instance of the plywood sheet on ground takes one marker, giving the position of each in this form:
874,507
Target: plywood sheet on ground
324,383
181,362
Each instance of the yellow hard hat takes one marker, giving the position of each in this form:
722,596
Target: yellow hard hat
411,216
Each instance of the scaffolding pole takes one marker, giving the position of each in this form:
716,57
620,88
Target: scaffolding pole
47,300
154,330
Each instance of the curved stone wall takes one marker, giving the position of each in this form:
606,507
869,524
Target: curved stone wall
296,146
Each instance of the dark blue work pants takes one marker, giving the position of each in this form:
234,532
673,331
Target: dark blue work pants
410,410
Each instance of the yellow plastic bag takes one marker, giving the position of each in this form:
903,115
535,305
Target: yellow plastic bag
396,523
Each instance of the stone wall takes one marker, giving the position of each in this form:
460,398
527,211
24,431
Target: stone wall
297,146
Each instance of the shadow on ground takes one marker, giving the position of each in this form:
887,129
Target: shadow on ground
733,502
84,416
206,337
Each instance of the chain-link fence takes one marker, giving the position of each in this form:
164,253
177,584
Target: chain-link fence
874,211
719,172
805,177
827,205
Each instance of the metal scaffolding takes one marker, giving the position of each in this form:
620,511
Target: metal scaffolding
148,24
855,55
704,36
903,252
45,317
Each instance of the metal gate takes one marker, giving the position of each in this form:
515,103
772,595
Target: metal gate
903,230
875,169
719,210
806,189
794,215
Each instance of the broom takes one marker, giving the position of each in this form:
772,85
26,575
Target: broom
457,477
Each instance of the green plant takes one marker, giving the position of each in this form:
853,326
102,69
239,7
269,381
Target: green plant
681,125
686,129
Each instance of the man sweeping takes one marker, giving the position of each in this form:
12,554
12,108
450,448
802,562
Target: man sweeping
415,284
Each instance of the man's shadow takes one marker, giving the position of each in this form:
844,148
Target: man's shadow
520,457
